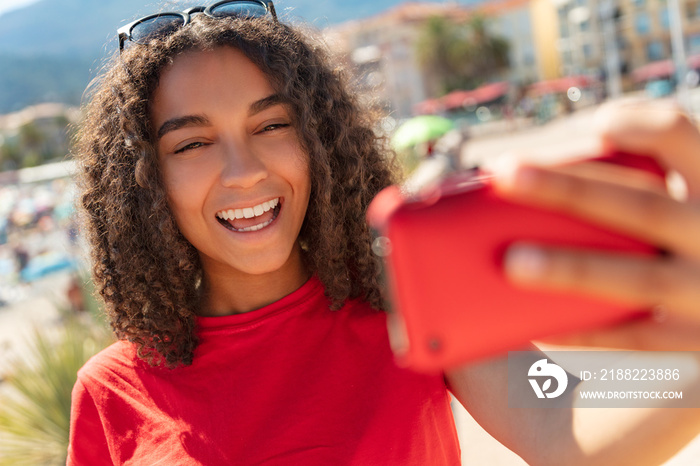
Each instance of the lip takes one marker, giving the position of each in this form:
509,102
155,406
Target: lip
256,233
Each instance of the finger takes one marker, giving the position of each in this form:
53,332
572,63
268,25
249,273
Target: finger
642,334
628,279
616,174
646,214
658,129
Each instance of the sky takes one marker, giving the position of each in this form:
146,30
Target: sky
7,5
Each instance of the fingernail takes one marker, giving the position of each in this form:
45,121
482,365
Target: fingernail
525,263
503,166
512,176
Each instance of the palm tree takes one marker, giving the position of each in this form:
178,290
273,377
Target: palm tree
32,140
10,156
436,49
486,54
459,55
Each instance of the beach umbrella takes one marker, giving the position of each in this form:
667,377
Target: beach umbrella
420,129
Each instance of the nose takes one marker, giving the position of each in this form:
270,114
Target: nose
242,167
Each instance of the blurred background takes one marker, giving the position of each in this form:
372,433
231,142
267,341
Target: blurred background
509,74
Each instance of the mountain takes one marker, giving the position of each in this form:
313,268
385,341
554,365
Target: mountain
28,81
49,50
84,27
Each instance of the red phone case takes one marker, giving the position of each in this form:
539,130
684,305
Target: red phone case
445,272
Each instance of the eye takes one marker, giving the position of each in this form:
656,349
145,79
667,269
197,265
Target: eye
190,146
274,126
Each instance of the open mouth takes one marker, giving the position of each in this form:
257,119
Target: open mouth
251,218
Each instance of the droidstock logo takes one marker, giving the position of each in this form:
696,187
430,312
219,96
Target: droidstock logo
545,371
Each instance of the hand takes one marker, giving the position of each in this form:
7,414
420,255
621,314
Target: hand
635,205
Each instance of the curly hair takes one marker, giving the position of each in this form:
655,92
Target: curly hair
148,274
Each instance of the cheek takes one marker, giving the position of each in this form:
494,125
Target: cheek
186,192
302,183
183,216
300,172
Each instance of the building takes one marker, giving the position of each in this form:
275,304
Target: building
545,34
644,27
642,35
513,20
548,39
382,51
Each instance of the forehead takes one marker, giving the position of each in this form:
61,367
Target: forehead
199,80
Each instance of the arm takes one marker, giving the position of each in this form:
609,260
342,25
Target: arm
573,436
483,391
88,443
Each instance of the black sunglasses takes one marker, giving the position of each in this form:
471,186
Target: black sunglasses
157,25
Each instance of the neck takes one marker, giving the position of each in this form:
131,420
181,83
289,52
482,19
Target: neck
228,291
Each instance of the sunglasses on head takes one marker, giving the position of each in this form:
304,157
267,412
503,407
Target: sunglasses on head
159,25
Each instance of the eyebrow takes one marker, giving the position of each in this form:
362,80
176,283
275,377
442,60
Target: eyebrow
265,103
201,120
182,122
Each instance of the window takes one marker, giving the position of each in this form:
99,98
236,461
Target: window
664,19
563,24
524,22
694,44
528,55
692,9
622,43
655,50
568,57
642,23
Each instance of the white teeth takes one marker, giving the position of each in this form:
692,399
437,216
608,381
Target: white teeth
249,212
258,227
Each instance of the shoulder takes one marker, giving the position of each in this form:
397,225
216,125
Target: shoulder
89,435
118,358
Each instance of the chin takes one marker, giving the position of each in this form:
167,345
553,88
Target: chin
259,269
263,264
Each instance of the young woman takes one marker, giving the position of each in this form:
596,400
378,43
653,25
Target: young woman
226,174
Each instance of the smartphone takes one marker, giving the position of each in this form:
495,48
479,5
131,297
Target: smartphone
450,302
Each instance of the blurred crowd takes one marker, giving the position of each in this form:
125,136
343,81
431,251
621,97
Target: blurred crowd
38,235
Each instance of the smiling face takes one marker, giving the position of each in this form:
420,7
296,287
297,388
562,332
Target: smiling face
236,177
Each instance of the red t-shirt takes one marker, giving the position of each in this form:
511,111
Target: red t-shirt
291,383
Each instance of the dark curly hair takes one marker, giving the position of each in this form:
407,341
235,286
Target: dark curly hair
147,273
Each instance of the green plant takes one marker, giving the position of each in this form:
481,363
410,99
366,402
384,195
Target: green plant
460,55
36,397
